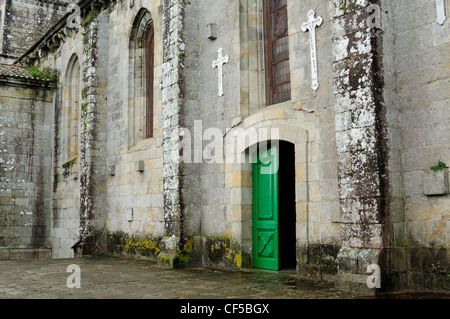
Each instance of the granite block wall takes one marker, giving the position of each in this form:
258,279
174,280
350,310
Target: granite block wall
25,168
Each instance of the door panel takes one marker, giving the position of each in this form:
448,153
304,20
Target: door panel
265,210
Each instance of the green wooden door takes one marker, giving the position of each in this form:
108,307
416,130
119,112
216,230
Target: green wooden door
265,210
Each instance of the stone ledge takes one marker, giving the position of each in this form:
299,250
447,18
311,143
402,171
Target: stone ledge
436,183
25,253
356,283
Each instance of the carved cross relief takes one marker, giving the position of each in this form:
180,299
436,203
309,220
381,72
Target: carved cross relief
440,8
311,27
221,60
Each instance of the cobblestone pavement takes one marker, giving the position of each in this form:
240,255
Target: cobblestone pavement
111,278
137,279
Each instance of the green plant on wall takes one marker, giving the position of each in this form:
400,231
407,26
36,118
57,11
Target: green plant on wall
141,246
38,73
91,16
70,162
184,257
439,167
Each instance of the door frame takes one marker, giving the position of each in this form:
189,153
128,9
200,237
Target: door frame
238,174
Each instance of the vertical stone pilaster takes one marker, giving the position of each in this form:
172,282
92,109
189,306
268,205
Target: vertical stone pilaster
171,85
360,138
87,125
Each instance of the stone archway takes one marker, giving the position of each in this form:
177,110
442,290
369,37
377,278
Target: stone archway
269,124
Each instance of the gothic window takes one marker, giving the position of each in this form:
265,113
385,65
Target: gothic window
276,51
141,69
148,43
71,108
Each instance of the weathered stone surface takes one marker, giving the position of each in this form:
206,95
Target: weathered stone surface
435,183
25,178
22,23
361,142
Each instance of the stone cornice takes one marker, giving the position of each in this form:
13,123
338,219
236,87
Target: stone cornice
59,32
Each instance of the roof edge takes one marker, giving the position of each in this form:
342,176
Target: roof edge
85,6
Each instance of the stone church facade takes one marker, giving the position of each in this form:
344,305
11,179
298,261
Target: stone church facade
155,137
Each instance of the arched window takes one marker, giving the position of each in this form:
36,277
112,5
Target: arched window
149,65
72,103
276,51
141,76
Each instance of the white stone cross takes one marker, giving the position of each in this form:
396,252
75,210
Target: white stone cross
311,27
221,60
440,8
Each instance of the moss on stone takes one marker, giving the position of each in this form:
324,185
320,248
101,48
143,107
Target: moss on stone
91,16
184,257
44,75
141,246
221,250
70,162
